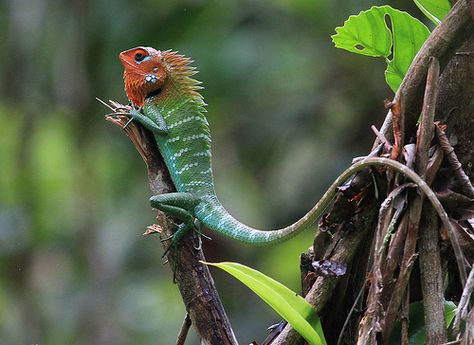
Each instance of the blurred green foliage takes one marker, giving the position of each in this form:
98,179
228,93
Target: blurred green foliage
287,110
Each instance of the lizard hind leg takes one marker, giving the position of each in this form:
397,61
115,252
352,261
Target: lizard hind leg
180,206
185,201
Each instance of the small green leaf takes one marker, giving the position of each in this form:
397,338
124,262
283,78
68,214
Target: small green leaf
365,34
292,307
449,311
368,34
435,10
416,330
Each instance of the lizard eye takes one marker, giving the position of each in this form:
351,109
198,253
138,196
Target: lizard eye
139,57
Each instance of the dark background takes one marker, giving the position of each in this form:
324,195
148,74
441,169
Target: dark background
288,111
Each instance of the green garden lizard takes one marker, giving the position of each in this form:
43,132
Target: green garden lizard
166,101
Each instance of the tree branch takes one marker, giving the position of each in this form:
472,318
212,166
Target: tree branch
194,280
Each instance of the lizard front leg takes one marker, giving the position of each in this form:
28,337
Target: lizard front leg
154,122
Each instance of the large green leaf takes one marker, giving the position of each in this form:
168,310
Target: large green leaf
292,307
416,331
368,34
435,10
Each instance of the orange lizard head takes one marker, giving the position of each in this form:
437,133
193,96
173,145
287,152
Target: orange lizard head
144,73
149,72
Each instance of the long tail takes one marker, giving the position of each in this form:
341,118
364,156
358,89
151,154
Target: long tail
215,216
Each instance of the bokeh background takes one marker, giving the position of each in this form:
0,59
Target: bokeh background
288,111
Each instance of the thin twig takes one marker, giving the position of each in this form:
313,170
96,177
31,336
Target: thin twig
453,160
426,128
351,311
405,317
469,329
183,332
454,342
398,126
394,257
382,138
433,165
104,103
463,306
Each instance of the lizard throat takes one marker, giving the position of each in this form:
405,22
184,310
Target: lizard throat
154,93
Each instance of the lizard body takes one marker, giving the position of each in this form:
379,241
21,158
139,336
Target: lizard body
159,83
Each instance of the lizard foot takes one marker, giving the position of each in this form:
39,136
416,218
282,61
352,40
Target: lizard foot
177,236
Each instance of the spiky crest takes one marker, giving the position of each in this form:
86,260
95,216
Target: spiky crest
180,71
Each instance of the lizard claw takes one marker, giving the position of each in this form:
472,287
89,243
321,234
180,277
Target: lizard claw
199,245
167,250
167,238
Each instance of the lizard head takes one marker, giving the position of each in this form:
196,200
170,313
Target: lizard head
144,73
150,72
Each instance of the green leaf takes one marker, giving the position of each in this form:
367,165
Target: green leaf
368,34
416,331
435,10
292,307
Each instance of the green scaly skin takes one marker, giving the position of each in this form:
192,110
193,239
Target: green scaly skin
182,133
